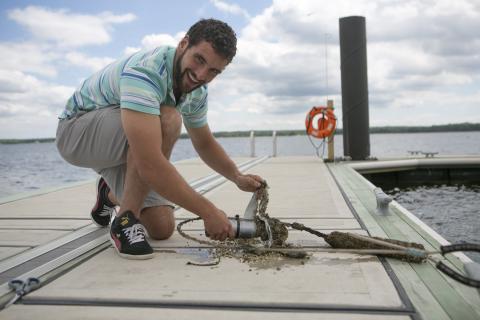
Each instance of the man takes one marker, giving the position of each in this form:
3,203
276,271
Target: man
123,122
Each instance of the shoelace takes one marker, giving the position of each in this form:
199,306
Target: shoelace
135,233
106,211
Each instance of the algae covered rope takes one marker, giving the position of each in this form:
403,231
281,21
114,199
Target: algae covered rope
409,251
355,243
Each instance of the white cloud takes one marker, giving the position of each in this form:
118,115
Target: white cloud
230,8
420,57
94,63
68,29
20,92
420,108
152,41
131,50
111,18
55,32
29,106
28,57
423,61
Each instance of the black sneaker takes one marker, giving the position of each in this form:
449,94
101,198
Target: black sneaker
128,237
103,208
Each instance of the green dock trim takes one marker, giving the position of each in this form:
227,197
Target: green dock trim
434,295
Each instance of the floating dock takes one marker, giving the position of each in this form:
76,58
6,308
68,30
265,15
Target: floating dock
48,235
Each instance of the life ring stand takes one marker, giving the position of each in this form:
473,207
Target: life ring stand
325,120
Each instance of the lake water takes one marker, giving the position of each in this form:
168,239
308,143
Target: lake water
452,211
29,167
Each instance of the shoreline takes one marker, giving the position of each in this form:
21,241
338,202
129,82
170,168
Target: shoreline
460,127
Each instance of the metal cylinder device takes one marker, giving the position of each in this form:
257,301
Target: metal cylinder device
243,228
353,50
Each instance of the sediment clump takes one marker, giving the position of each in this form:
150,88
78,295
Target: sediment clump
279,230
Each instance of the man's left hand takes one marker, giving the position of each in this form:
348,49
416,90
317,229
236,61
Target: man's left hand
248,182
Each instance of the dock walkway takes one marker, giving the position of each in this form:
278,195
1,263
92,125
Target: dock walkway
49,235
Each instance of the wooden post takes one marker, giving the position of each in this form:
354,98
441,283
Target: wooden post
331,152
274,138
252,144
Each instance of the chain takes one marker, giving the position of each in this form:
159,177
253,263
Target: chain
205,242
232,245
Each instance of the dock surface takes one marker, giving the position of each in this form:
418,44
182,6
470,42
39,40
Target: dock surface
49,235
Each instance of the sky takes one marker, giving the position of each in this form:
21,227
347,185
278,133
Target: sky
423,58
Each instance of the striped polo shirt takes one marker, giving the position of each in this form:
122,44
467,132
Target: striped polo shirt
141,82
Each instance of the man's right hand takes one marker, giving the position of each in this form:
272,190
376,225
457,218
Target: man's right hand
217,226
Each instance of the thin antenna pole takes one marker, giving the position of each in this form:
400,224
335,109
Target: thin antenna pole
326,63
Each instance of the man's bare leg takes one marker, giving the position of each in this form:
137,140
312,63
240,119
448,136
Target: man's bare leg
135,190
127,229
159,220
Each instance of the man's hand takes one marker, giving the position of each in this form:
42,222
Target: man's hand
248,182
216,158
217,226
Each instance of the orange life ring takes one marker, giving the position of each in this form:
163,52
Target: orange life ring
325,120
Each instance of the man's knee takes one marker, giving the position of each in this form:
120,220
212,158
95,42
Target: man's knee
159,222
163,232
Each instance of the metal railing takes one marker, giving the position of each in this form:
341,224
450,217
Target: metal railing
252,144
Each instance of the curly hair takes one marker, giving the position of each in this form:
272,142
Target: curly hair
219,34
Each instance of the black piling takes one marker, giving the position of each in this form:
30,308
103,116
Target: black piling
353,51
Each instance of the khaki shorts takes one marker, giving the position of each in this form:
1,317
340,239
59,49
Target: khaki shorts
96,140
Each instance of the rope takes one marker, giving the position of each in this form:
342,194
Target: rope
395,249
215,244
301,227
322,143
317,148
380,246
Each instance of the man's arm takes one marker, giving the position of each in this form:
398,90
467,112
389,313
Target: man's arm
212,153
144,135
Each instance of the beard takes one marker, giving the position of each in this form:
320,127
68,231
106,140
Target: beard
179,75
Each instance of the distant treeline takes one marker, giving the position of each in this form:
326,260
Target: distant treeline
387,129
15,141
437,128
264,133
